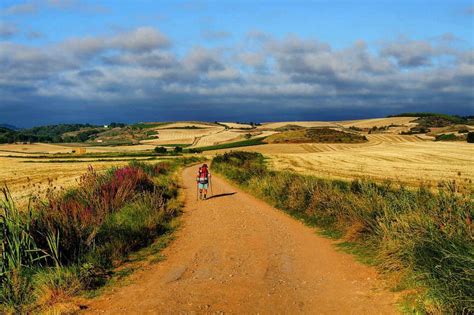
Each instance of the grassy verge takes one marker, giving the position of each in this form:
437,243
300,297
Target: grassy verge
423,239
73,241
237,144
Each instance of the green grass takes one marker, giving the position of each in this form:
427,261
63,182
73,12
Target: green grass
424,237
148,125
238,144
448,137
181,145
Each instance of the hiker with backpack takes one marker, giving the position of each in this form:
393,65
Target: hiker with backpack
203,179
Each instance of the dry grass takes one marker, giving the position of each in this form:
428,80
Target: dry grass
236,125
182,136
307,124
222,136
378,122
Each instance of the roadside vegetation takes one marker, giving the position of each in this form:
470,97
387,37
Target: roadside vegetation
71,241
424,240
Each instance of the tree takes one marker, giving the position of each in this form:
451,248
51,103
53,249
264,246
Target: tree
161,150
470,137
178,149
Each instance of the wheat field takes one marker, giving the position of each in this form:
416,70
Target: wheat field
25,177
410,159
406,159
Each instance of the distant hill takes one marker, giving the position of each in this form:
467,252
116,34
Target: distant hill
7,126
437,120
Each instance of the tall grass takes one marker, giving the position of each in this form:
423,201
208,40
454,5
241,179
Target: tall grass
423,236
71,240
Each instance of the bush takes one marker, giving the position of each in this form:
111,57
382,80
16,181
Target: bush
470,137
178,149
425,235
160,150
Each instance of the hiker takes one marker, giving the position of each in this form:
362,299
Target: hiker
203,178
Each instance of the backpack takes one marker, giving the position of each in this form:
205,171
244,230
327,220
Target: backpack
203,175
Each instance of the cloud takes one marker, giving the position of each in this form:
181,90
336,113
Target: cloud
140,39
24,8
292,76
469,10
215,35
7,30
34,35
33,7
410,53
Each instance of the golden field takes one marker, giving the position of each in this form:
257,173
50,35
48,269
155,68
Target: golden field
25,176
408,159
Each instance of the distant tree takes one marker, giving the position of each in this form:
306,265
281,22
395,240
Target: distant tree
116,124
248,136
470,137
178,149
161,150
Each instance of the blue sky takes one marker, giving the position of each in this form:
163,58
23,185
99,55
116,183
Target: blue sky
97,61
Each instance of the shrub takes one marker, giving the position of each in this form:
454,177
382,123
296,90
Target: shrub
160,150
178,149
470,137
446,137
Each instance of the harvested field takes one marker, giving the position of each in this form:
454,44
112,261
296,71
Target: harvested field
408,162
23,179
222,136
307,124
236,125
45,148
34,148
407,159
186,124
377,122
181,136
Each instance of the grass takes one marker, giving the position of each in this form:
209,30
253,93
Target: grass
73,241
422,237
237,144
448,137
148,125
174,145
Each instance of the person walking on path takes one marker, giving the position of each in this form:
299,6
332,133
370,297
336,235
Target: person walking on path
203,179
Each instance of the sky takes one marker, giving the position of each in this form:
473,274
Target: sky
65,61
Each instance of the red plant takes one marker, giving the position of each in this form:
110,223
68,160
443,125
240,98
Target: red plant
79,213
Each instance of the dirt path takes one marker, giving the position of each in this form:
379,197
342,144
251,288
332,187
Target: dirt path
236,254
